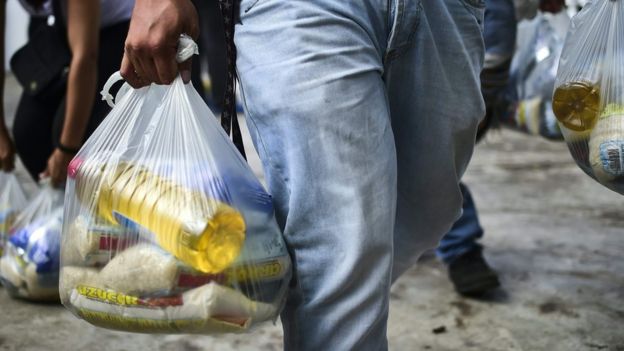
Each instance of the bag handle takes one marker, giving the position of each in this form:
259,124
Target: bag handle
186,49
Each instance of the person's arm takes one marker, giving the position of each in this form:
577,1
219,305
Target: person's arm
83,30
152,41
7,150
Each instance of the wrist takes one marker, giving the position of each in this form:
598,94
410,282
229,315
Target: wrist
67,149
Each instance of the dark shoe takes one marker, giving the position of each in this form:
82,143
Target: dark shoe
471,275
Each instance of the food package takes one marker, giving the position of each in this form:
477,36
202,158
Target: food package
210,308
93,242
588,100
29,267
166,228
12,201
527,99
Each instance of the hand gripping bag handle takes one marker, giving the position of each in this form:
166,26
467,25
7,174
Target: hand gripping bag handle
186,49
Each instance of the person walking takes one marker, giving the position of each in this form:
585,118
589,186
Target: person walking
364,114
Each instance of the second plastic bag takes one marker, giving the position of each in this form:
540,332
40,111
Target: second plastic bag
12,201
29,267
589,92
526,104
166,228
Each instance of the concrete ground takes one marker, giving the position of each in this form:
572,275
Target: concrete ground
555,236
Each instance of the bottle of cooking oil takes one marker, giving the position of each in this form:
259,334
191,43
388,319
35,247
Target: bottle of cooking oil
577,105
206,234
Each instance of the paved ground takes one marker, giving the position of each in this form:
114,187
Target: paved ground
554,234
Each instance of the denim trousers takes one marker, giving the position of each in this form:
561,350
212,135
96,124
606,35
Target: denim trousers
465,232
499,34
364,114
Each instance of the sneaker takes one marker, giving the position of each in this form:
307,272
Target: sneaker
471,275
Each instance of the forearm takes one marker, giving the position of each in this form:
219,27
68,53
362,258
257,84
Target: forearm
81,89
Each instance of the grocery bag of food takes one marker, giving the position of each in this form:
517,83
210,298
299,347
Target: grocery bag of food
12,201
527,99
29,267
588,100
166,228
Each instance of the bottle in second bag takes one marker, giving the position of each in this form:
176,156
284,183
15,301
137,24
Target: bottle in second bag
202,232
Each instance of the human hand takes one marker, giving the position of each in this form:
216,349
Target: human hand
7,151
152,41
57,167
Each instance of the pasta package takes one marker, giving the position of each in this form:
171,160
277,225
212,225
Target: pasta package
166,229
588,100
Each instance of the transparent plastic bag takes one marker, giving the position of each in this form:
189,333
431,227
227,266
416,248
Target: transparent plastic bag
29,267
166,228
12,201
588,100
533,72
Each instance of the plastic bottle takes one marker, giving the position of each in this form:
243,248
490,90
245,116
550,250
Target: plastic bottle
576,105
206,234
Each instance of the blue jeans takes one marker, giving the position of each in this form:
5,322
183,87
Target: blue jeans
364,114
464,234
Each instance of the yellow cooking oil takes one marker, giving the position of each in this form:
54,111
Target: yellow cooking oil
204,233
577,105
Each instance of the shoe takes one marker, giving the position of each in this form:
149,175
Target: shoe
471,275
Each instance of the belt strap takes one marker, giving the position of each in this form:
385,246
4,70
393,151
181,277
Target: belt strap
229,120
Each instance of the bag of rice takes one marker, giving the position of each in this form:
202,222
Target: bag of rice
166,228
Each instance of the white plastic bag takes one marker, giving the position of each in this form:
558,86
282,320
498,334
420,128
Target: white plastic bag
29,267
533,71
12,201
165,222
589,92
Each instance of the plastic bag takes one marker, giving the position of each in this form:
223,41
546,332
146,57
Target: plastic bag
589,93
29,268
166,228
12,201
527,100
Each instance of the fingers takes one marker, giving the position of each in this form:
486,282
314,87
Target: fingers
141,66
7,163
166,67
55,172
129,73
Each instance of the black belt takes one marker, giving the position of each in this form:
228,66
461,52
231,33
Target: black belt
229,120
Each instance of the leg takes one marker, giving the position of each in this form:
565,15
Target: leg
315,101
434,60
469,272
465,232
31,132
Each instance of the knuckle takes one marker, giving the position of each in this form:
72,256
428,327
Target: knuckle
134,47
